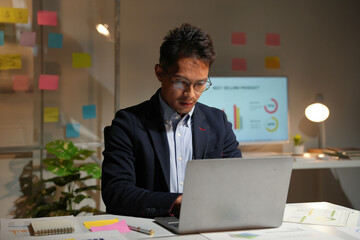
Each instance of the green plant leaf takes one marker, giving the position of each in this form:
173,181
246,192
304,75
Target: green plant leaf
79,198
84,154
92,169
88,188
88,209
45,210
62,149
62,181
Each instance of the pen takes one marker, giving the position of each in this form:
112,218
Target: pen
142,230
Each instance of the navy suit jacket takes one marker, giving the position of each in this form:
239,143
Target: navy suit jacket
136,166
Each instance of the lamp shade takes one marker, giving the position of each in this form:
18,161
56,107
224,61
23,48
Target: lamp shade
317,112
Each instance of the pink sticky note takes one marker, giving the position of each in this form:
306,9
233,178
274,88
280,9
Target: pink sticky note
20,82
272,39
47,18
48,82
121,226
239,64
238,38
27,39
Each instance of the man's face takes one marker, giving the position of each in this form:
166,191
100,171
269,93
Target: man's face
190,70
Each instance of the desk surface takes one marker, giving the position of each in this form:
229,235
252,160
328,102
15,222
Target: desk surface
311,162
161,233
316,164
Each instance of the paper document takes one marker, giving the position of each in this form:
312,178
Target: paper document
352,231
286,231
329,217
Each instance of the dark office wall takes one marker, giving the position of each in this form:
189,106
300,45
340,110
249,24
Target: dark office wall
319,52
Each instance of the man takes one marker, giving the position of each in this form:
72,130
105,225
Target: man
148,145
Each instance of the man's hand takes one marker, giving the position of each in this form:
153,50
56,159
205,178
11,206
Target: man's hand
177,205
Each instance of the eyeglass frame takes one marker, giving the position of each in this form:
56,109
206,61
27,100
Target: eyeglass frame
188,83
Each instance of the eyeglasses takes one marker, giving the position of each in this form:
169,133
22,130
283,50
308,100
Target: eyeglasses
199,86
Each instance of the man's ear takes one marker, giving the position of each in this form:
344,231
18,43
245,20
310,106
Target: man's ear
159,72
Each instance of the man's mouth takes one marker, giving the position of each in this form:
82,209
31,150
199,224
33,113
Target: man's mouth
186,104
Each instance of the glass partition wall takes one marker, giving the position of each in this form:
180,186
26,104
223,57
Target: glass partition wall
57,74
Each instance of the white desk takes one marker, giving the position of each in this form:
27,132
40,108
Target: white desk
317,164
312,162
161,233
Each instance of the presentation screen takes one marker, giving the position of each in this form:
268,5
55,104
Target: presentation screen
257,107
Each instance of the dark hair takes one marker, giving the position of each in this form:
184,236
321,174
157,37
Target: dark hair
187,41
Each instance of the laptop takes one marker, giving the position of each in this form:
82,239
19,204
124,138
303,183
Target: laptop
232,194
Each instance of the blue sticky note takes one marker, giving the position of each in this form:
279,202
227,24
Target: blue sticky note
55,40
89,111
1,38
73,130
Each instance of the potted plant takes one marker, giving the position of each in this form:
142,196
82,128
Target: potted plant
298,144
62,194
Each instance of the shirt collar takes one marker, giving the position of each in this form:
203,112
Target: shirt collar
169,114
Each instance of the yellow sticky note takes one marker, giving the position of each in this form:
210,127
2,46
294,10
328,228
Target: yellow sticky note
81,60
6,15
51,114
10,61
100,223
272,62
21,15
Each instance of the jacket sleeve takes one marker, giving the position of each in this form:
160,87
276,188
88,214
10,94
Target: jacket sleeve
120,192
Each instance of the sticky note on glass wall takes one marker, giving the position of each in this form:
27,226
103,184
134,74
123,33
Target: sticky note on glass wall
272,39
2,38
72,130
238,38
27,38
20,82
272,62
6,15
81,60
10,61
238,64
48,82
89,111
48,18
21,15
55,40
51,114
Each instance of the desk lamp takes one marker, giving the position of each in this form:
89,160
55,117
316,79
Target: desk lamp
318,112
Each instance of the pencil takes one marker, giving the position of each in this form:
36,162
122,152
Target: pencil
142,230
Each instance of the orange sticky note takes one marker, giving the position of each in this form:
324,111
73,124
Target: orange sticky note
238,64
238,38
272,39
20,82
48,82
48,18
81,60
272,62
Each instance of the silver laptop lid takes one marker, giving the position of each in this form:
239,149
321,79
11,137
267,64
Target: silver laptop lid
232,194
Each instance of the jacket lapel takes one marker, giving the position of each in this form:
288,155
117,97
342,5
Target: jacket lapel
157,132
200,133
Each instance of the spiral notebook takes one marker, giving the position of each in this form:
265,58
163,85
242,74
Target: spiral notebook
51,227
